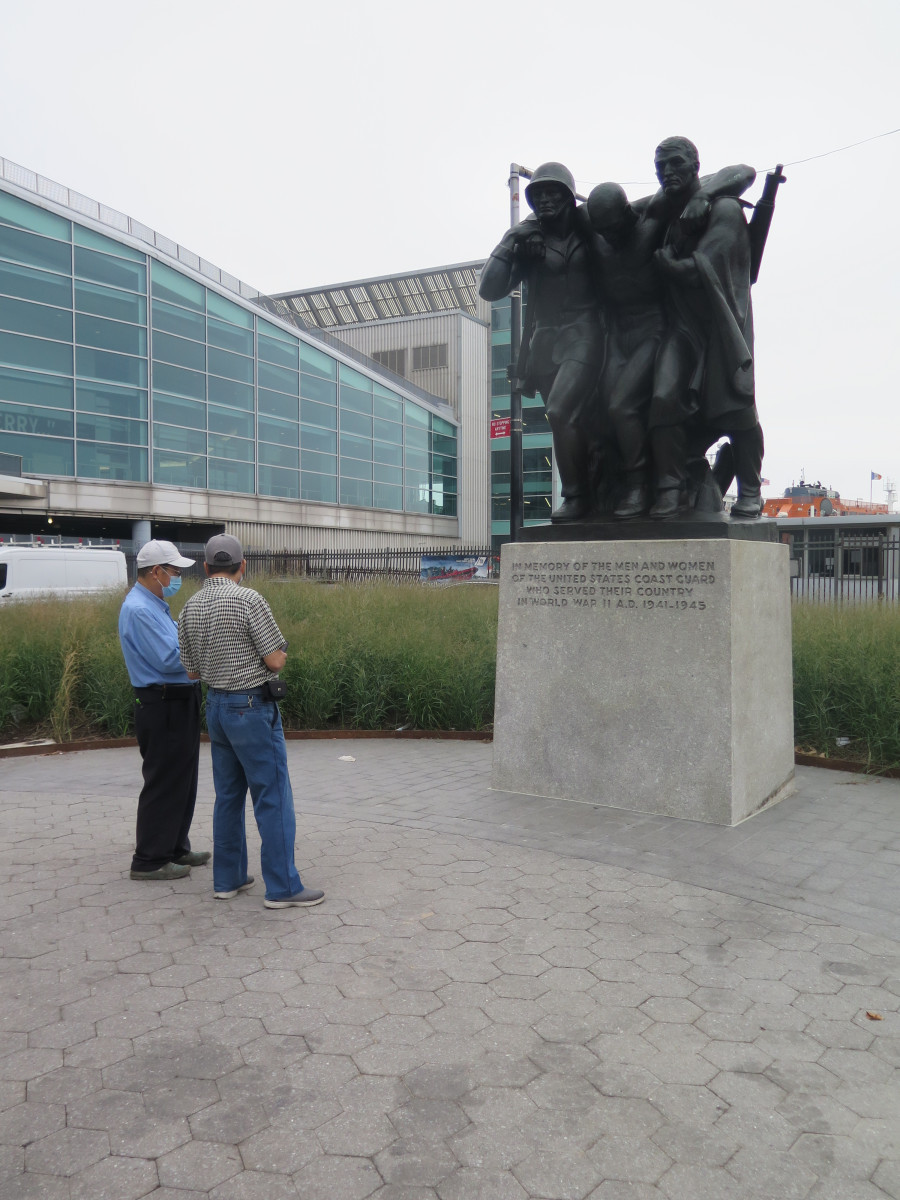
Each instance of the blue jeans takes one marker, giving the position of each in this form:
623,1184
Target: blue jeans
248,751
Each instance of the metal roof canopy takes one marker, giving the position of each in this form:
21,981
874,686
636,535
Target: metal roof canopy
408,294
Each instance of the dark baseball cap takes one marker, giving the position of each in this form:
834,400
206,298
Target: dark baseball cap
223,550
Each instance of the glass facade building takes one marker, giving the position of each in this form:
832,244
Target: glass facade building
537,443
117,366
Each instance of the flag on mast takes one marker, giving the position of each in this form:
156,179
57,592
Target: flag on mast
875,475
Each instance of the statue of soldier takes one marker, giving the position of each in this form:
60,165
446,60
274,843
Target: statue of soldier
703,380
633,299
562,348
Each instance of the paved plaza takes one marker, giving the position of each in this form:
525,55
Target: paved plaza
502,997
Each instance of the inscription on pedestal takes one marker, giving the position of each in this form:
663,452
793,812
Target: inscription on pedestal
666,585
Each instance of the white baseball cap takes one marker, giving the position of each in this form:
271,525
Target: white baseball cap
162,554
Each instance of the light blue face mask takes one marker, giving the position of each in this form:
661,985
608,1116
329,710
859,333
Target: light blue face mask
172,587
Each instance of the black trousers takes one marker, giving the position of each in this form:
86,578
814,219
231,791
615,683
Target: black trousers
167,723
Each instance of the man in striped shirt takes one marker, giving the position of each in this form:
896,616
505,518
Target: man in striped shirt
229,639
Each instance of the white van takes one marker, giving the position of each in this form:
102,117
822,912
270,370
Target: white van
30,572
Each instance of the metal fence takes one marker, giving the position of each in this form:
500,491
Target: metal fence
831,565
398,563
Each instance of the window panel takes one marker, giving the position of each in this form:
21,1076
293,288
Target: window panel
354,379
417,439
317,361
179,470
384,474
278,405
418,479
44,422
501,318
177,379
312,438
275,331
227,337
49,391
417,499
18,351
284,433
110,335
356,468
388,410
110,302
356,447
385,496
232,366
178,411
356,491
101,364
232,476
82,236
279,456
444,506
179,351
227,310
324,462
35,251
413,415
170,319
279,378
225,445
318,487
275,481
353,422
445,483
109,400
230,392
318,414
383,452
171,285
440,426
443,464
442,444
91,428
14,211
171,437
283,354
39,320
417,460
102,268
230,421
40,455
355,401
387,431
29,284
98,461
311,461
312,388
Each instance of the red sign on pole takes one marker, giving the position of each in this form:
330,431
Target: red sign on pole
500,427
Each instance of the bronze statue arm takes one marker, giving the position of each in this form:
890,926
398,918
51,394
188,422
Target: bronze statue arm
505,268
730,181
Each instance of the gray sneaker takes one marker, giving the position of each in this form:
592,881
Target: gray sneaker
304,899
231,895
169,871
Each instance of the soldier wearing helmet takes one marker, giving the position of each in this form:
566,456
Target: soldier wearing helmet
563,347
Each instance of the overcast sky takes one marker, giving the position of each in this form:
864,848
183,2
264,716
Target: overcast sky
295,144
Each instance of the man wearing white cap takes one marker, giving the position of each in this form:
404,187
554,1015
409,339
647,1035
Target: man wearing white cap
166,717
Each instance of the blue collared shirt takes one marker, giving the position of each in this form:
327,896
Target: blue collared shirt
149,638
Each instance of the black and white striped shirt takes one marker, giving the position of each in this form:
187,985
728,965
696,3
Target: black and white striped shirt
224,633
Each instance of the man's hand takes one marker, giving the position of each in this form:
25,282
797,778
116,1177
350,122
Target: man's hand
530,245
681,269
695,216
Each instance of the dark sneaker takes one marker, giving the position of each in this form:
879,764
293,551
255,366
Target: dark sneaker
231,895
194,858
169,871
305,899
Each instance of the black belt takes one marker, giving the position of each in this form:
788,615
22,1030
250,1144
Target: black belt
167,691
261,692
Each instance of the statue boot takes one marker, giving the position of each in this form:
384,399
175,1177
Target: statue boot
573,508
748,505
634,502
747,446
669,443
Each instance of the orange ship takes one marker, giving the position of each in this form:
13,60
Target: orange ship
814,500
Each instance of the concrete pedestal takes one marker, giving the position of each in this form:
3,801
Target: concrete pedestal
651,675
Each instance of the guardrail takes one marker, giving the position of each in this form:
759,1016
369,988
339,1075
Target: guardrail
830,565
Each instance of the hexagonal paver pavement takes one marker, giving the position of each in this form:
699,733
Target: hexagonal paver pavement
494,1002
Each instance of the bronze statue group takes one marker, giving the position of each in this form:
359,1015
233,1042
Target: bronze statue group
638,336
